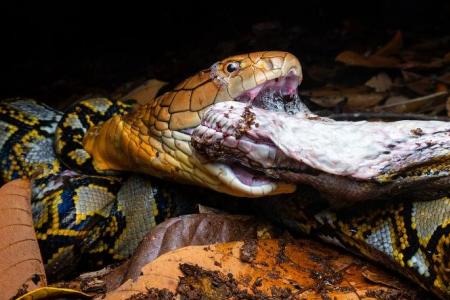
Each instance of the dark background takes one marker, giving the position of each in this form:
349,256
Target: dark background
53,51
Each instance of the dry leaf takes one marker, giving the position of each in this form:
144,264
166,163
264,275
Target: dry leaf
423,86
198,229
434,63
399,102
418,84
355,98
381,59
392,47
363,101
21,267
269,268
411,76
380,82
326,97
354,59
385,279
413,105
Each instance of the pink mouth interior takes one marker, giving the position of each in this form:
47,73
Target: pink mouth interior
282,86
249,177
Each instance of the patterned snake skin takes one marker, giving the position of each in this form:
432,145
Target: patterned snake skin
87,214
81,221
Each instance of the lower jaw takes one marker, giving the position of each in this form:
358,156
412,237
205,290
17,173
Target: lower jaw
249,177
242,182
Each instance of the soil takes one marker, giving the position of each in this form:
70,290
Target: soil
154,294
247,252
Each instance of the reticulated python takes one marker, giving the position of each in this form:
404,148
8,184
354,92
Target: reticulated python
88,210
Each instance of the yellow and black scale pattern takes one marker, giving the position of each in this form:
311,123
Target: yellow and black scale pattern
81,221
413,235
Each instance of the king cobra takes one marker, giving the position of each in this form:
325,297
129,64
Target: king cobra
104,172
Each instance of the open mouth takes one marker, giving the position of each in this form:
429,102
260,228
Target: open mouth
279,94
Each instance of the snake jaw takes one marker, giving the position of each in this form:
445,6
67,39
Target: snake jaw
155,138
243,182
275,75
277,94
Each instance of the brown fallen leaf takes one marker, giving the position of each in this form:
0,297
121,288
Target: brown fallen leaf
328,97
360,101
393,46
265,269
356,98
419,84
399,104
21,266
433,63
389,56
374,61
380,82
380,59
390,281
418,104
175,233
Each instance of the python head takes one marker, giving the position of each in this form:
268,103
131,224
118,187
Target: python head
155,138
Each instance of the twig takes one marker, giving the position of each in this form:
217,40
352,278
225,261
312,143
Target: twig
387,116
418,99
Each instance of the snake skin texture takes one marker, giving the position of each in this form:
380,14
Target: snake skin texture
86,215
82,221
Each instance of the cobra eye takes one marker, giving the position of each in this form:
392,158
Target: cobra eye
232,67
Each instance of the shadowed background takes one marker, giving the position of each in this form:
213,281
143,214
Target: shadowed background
62,50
